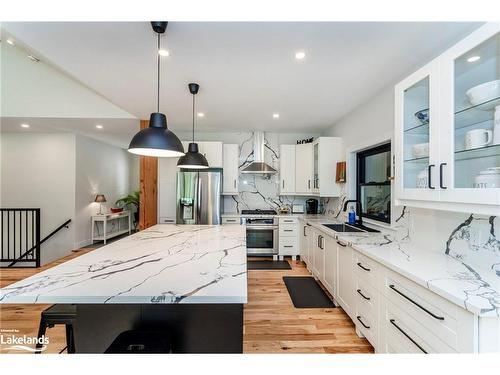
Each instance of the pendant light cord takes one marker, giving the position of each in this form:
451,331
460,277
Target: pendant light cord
193,118
158,80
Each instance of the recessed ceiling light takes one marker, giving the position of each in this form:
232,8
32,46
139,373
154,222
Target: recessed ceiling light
10,41
300,55
276,115
201,114
25,126
473,58
99,126
163,52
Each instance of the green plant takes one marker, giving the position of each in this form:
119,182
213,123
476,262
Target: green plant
130,200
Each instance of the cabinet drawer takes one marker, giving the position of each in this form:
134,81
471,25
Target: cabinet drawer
366,296
404,334
288,246
288,220
288,230
453,325
367,324
167,220
366,268
230,220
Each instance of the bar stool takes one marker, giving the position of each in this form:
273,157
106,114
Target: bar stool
140,342
58,314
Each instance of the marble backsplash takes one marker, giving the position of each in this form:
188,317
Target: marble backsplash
256,191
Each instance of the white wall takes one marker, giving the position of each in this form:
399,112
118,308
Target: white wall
37,170
36,89
100,169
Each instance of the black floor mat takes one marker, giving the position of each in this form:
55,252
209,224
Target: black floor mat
268,265
305,292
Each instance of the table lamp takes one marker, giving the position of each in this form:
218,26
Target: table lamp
100,198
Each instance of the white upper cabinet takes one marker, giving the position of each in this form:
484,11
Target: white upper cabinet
304,168
447,129
327,151
213,152
287,169
230,172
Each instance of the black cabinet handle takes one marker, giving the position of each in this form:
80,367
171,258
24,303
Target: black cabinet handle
235,183
321,242
341,244
364,325
283,184
362,295
305,235
415,303
393,322
230,221
287,245
441,175
288,221
308,184
287,230
429,176
364,268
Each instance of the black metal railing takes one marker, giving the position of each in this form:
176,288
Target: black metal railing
20,241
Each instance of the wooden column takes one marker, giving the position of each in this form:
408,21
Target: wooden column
148,183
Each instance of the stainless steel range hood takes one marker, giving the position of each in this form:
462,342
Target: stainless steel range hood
258,165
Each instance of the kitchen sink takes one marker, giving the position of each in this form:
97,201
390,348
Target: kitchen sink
350,228
342,228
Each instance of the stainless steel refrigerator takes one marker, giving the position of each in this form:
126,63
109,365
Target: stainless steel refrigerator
199,196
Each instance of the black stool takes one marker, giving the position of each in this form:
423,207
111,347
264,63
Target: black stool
58,314
140,342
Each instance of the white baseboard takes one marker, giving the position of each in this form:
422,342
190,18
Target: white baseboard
83,243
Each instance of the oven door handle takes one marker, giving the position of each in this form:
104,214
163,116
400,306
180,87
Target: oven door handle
262,227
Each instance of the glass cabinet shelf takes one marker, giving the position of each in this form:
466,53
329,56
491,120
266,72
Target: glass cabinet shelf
476,153
423,160
418,129
476,114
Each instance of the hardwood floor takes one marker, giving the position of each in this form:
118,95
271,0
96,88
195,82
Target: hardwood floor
271,323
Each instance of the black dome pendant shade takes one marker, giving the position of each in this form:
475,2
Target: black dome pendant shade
156,139
193,159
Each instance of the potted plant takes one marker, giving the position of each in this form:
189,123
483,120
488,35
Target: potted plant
131,200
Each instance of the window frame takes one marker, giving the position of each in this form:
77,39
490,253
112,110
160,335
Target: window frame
360,170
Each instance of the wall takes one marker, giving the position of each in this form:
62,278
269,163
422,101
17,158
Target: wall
36,89
38,170
100,169
61,173
465,236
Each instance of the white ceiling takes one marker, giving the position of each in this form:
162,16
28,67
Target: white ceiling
247,71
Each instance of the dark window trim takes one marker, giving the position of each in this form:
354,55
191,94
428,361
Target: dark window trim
360,173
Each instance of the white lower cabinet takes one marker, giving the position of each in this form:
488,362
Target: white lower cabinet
305,241
345,281
319,256
289,236
330,250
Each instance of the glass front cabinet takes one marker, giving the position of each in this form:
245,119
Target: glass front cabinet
447,129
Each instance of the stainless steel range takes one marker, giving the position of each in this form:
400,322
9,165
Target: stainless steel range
262,231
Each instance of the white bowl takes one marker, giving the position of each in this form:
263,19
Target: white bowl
420,150
484,92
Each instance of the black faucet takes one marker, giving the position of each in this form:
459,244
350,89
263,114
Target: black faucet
359,209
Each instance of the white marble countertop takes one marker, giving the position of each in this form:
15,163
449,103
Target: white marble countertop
477,290
162,264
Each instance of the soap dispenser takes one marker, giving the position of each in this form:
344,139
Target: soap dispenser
351,219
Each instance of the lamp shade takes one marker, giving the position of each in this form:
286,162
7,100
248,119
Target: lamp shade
193,159
100,198
156,140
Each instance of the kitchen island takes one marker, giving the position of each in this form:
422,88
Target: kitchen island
188,280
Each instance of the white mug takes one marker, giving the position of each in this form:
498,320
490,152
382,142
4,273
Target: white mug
496,126
478,138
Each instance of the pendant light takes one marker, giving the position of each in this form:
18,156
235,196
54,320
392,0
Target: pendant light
193,159
157,140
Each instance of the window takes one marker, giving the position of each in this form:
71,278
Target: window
373,185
